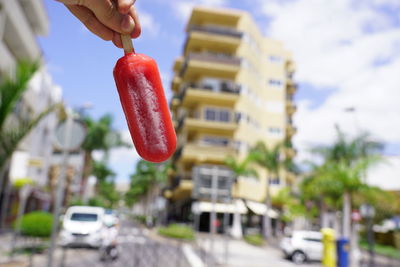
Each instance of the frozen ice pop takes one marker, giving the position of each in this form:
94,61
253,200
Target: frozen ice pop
144,104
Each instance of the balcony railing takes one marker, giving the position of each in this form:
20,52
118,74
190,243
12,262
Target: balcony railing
181,121
217,30
214,57
210,57
223,87
177,180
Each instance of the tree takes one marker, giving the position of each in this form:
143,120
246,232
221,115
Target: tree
146,181
270,160
105,186
241,168
15,127
288,204
348,160
99,136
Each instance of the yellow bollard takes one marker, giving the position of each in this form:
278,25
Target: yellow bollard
329,251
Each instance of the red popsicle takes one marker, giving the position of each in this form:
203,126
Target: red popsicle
144,104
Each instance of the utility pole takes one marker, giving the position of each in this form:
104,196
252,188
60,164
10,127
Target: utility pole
60,189
213,215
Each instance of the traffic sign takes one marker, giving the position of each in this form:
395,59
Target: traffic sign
77,133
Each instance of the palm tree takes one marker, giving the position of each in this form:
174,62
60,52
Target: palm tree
15,127
347,161
270,160
105,186
99,136
146,182
240,168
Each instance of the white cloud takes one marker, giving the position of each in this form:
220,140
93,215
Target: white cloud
350,47
183,8
386,175
149,24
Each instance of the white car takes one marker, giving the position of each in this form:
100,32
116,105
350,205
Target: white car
302,246
110,217
82,226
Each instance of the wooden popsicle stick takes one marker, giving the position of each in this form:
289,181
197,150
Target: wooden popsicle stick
127,43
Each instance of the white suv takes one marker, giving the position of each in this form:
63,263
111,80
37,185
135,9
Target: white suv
302,246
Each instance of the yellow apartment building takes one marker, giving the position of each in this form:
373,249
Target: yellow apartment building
232,87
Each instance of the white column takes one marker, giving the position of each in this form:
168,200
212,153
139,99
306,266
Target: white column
236,231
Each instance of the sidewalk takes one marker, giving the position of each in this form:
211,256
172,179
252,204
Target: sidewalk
5,261
242,254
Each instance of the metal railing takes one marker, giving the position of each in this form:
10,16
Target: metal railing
214,57
217,30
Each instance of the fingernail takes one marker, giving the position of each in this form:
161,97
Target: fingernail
127,24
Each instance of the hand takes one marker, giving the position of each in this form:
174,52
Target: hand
108,19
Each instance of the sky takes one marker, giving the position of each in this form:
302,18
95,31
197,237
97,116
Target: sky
347,55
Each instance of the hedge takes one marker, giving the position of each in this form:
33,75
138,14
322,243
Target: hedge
36,224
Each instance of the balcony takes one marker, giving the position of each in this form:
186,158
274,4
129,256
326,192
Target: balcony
290,130
208,64
290,152
176,81
202,153
175,101
290,108
225,94
218,30
290,66
210,127
291,87
212,38
179,123
181,187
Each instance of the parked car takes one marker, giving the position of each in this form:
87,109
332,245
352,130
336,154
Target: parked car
110,217
303,246
82,226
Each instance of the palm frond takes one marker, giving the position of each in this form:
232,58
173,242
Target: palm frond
10,138
12,88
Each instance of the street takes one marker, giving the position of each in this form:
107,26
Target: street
139,248
135,249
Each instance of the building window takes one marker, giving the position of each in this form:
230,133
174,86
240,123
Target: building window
222,115
275,82
211,115
275,181
275,59
215,141
275,132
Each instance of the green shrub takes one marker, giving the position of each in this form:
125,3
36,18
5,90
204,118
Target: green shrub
177,231
256,240
36,224
21,182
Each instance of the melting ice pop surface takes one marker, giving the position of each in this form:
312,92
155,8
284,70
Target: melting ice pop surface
145,107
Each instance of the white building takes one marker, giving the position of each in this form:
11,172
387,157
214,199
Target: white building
20,22
33,157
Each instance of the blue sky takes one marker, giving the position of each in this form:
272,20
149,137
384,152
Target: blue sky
347,54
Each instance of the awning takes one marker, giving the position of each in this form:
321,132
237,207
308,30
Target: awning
260,208
237,206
